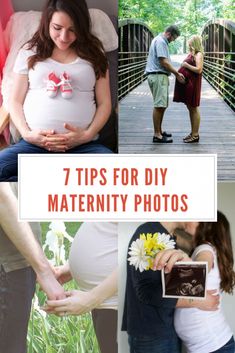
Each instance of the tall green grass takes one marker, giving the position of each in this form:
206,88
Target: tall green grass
52,334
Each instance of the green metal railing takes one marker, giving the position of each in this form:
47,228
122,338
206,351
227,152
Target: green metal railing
134,42
219,61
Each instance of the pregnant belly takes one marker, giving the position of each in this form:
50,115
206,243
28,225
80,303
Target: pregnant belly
187,73
43,112
89,264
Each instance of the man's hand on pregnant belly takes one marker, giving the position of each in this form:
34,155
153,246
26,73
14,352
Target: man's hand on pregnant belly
74,137
41,137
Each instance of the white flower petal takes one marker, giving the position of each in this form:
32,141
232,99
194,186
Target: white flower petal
51,241
166,240
137,254
68,237
57,226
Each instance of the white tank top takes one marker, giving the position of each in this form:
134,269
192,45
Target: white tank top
203,331
94,255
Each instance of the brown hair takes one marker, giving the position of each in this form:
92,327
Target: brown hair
218,235
86,45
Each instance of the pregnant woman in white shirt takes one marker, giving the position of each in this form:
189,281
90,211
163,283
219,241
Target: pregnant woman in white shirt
207,331
61,95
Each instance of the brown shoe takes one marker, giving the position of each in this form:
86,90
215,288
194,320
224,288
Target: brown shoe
192,139
187,137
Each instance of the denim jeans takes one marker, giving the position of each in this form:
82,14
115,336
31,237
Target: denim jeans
229,347
9,156
145,344
16,293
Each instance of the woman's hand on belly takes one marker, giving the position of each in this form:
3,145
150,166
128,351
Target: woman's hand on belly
184,64
74,137
41,137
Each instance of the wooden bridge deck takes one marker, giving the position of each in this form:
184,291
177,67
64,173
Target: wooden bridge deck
217,131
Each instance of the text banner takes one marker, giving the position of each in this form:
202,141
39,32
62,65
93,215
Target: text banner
117,187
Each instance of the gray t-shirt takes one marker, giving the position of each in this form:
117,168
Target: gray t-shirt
158,49
10,258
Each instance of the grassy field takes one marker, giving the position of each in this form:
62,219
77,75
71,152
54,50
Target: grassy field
52,334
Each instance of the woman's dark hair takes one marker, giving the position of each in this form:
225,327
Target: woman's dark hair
218,235
87,46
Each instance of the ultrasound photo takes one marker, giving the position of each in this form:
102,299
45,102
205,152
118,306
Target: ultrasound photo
186,280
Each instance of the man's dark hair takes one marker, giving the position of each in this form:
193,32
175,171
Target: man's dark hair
173,30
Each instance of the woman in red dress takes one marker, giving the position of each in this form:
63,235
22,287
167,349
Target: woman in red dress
190,92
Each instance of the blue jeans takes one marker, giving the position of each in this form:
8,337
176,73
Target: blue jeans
145,344
16,293
229,347
9,156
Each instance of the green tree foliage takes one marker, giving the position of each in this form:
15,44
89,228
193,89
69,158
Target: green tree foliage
229,10
157,14
189,15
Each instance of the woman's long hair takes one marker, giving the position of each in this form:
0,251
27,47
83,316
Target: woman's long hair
196,44
218,235
86,45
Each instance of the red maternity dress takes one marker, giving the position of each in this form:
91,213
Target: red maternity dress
189,93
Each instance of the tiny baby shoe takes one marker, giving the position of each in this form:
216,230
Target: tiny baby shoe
52,85
65,86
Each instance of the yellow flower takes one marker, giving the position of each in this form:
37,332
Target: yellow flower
143,250
150,243
150,263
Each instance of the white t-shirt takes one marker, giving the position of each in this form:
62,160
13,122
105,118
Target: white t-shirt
43,112
94,255
203,331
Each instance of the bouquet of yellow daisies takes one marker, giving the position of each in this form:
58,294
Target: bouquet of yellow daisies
143,250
